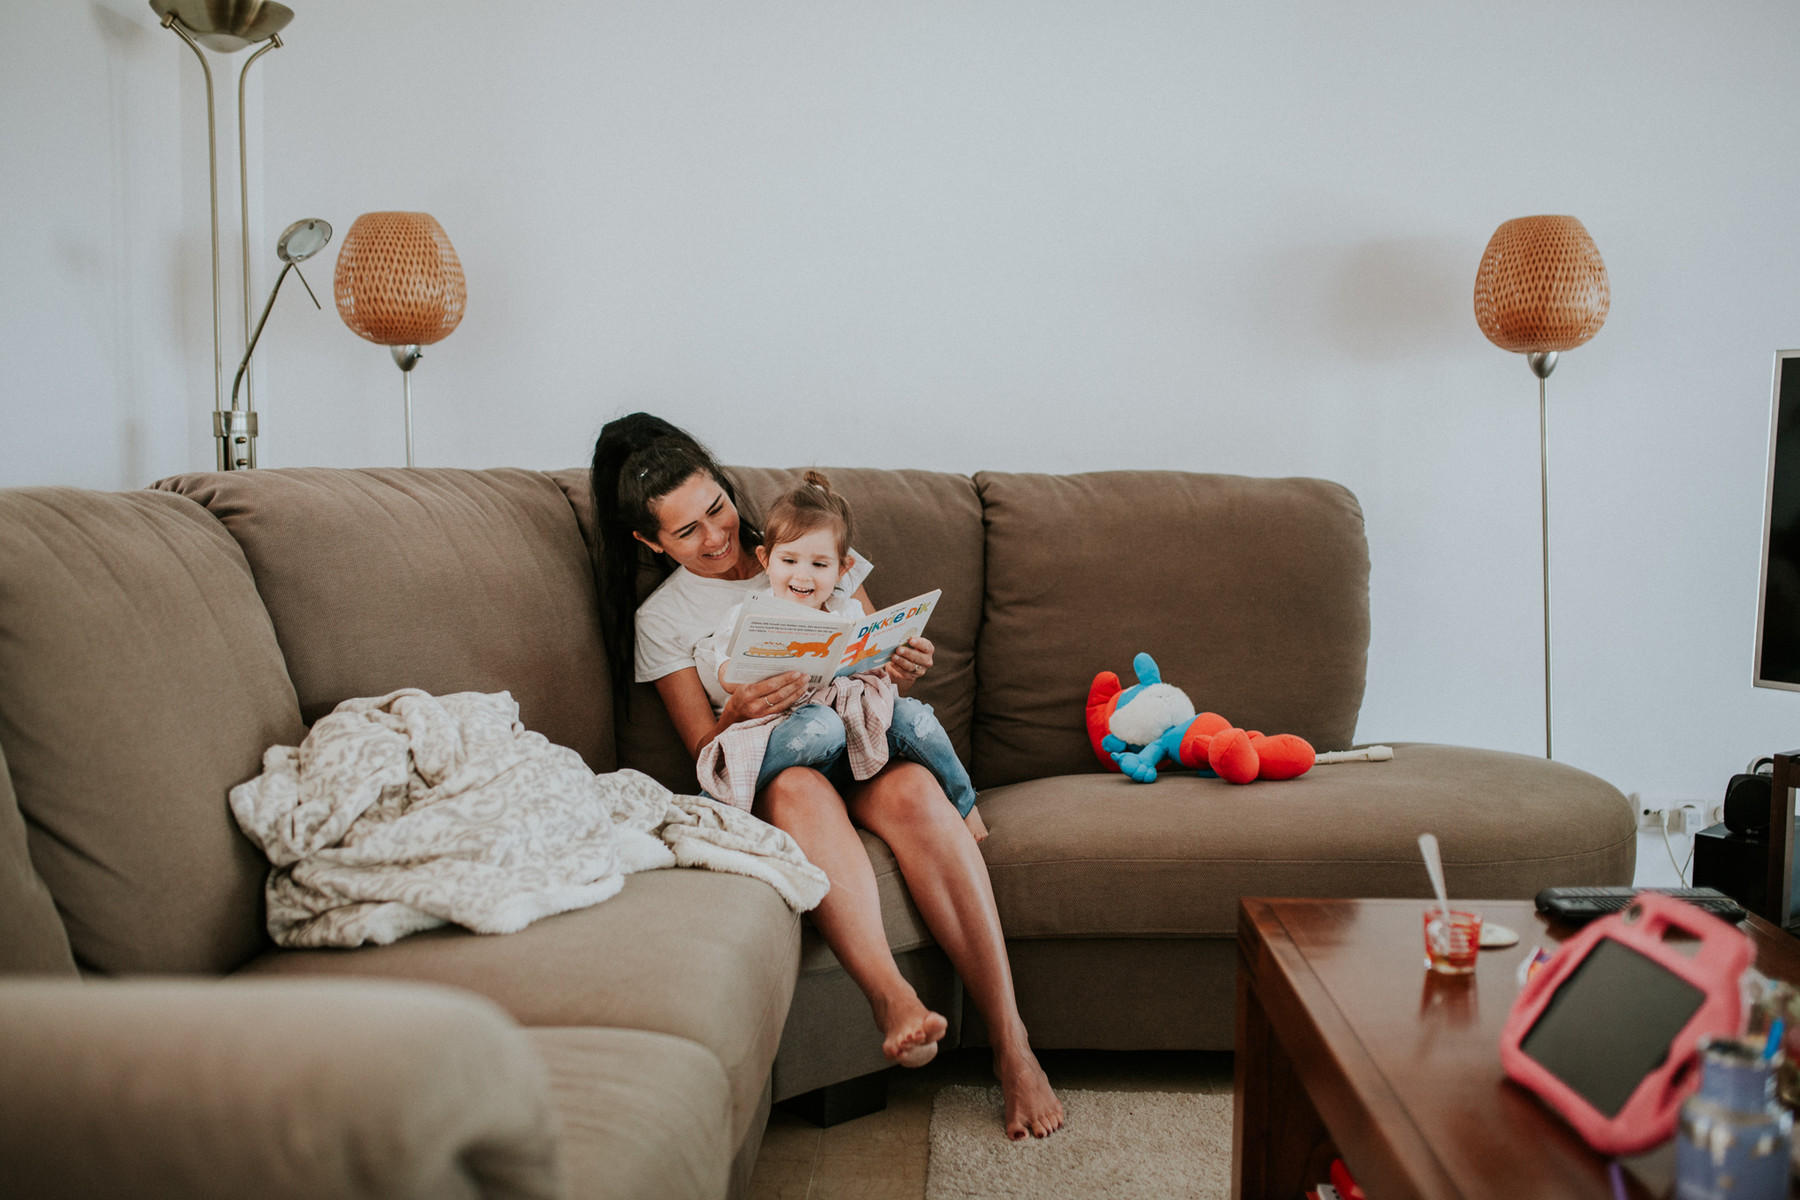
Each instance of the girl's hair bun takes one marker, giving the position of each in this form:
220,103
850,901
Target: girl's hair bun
808,505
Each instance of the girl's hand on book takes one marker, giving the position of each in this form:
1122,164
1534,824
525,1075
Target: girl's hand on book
765,697
910,662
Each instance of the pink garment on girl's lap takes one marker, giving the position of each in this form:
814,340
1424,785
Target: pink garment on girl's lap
730,763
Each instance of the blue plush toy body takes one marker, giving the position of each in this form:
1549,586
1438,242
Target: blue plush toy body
1154,718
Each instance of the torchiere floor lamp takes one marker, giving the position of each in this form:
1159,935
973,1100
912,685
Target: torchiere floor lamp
1542,290
227,26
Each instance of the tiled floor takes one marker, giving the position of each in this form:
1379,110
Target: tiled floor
882,1156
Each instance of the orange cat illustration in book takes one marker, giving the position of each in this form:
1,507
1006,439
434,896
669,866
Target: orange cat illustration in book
863,650
813,649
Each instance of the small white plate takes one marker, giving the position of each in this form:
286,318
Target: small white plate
1497,937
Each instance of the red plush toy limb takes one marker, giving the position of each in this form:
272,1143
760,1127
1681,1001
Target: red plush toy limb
1103,697
1232,757
1283,756
1241,756
1198,739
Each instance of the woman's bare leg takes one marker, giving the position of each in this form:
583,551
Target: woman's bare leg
948,879
803,803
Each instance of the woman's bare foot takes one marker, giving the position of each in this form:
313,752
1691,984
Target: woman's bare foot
976,825
1031,1104
910,1032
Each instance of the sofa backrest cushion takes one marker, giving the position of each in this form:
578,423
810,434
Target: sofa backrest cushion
1251,594
32,939
139,681
445,580
921,529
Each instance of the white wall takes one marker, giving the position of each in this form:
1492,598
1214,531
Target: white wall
95,264
1058,236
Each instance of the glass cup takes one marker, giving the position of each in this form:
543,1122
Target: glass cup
1450,949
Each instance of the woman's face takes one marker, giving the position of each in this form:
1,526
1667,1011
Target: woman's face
698,528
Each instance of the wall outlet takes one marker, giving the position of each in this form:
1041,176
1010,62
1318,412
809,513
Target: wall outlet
1674,814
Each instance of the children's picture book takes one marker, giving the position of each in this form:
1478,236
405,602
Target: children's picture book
773,636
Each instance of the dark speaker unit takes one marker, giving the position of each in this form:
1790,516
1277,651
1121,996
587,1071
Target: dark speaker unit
1747,799
1750,855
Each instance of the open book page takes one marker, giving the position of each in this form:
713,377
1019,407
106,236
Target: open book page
774,636
874,638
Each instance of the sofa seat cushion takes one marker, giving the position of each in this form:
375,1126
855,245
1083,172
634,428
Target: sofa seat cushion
641,1114
1084,856
696,954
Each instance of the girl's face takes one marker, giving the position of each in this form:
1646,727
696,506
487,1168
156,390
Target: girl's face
698,528
807,568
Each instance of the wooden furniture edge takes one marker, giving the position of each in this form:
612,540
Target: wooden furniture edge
1391,1154
1779,880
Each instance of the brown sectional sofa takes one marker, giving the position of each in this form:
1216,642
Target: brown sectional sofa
153,643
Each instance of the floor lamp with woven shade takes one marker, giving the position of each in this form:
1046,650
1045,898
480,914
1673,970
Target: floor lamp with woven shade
1542,290
399,284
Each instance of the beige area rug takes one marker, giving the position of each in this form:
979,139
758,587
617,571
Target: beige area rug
1117,1145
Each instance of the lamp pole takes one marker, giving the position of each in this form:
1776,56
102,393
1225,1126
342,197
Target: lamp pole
228,28
1542,289
1542,363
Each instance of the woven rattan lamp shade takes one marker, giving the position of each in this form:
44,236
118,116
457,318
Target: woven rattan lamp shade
398,280
1541,286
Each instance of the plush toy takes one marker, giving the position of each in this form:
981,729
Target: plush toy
1134,728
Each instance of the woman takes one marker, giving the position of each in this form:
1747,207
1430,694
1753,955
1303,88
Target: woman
655,485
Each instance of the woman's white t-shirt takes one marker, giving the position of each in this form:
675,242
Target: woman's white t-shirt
687,608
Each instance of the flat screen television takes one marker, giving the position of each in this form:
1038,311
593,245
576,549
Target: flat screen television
1778,603
1778,600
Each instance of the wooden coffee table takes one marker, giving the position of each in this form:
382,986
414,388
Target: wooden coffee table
1346,1045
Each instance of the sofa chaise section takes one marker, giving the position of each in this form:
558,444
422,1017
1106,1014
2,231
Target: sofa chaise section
142,675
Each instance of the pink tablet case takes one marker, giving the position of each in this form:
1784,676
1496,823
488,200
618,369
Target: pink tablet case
1649,1114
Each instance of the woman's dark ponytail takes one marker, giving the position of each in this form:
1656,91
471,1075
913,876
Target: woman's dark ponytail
639,459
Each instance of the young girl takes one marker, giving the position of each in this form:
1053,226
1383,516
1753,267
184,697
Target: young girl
806,553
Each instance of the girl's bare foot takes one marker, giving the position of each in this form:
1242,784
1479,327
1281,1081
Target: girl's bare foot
910,1032
1031,1105
976,825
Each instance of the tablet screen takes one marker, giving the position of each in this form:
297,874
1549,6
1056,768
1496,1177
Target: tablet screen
1611,1023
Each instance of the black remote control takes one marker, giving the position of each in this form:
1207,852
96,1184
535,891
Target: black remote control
1579,905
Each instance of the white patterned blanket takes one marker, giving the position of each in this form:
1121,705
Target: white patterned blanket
408,811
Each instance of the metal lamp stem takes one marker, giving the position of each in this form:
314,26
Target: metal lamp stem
407,357
274,43
234,430
1541,365
264,320
212,170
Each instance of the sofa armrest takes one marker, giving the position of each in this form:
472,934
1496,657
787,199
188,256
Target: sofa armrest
267,1088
